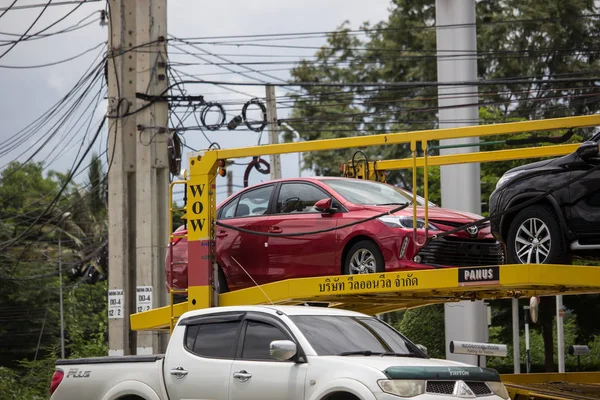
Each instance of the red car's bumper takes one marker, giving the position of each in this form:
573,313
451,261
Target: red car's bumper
403,250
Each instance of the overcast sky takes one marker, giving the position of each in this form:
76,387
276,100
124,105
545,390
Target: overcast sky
27,93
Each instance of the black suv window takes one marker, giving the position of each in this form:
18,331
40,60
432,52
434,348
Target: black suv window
216,340
259,336
299,198
254,202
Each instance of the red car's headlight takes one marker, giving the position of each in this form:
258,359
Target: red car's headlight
406,223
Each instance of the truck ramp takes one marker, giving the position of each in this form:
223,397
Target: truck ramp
569,386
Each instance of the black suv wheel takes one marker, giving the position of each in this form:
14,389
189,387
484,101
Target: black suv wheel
535,237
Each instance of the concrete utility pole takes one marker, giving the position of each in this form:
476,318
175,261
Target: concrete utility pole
229,183
60,281
560,333
121,176
138,176
460,184
152,173
273,131
516,341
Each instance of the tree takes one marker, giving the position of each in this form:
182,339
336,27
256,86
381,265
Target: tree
425,325
32,220
515,39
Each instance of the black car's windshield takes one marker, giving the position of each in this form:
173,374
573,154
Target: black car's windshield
361,192
343,335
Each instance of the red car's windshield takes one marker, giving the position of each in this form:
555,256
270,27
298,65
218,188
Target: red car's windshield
361,192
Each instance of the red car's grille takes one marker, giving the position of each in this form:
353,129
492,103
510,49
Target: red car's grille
462,253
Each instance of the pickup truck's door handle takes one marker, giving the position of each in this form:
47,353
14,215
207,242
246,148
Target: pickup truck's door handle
275,229
178,372
242,375
222,234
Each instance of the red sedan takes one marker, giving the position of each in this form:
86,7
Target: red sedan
294,206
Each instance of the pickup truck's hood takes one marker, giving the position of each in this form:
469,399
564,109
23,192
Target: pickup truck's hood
385,362
422,368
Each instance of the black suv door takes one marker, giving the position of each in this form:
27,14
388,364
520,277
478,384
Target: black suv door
584,203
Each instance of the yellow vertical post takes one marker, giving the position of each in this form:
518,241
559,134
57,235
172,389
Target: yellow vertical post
201,216
413,148
425,185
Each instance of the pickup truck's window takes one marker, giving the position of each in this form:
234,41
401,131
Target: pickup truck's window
259,336
213,340
338,335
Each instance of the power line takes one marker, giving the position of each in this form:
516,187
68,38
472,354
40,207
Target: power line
36,36
5,10
506,81
55,62
384,29
56,3
28,29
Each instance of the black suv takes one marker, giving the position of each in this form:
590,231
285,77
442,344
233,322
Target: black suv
565,223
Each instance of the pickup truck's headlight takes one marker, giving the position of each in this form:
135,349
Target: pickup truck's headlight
506,177
406,222
402,388
499,389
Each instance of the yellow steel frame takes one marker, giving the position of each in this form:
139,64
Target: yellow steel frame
379,293
556,386
434,285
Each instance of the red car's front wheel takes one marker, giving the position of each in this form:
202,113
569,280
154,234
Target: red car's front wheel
364,257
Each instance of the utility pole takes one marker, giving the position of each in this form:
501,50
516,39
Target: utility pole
516,341
460,184
152,173
121,65
273,131
560,333
527,354
62,321
229,183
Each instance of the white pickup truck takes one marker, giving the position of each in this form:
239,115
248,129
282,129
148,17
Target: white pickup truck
277,353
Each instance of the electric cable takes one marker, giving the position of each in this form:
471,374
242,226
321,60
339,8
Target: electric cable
263,109
204,112
54,62
7,9
61,122
335,228
255,164
54,3
34,127
27,31
505,81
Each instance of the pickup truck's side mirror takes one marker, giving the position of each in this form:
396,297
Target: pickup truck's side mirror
422,348
324,206
587,150
283,350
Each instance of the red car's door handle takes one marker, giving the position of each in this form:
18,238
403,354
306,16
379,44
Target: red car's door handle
275,229
222,234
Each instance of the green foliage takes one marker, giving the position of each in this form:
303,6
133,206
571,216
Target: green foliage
537,356
425,325
12,388
29,289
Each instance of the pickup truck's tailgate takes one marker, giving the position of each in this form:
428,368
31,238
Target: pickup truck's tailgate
94,378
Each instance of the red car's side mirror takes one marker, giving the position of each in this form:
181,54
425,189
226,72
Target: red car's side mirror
324,206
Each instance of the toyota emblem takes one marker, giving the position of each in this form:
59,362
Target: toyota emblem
472,231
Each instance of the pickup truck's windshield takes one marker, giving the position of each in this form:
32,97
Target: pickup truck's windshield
341,335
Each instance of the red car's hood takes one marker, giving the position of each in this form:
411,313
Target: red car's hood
437,213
